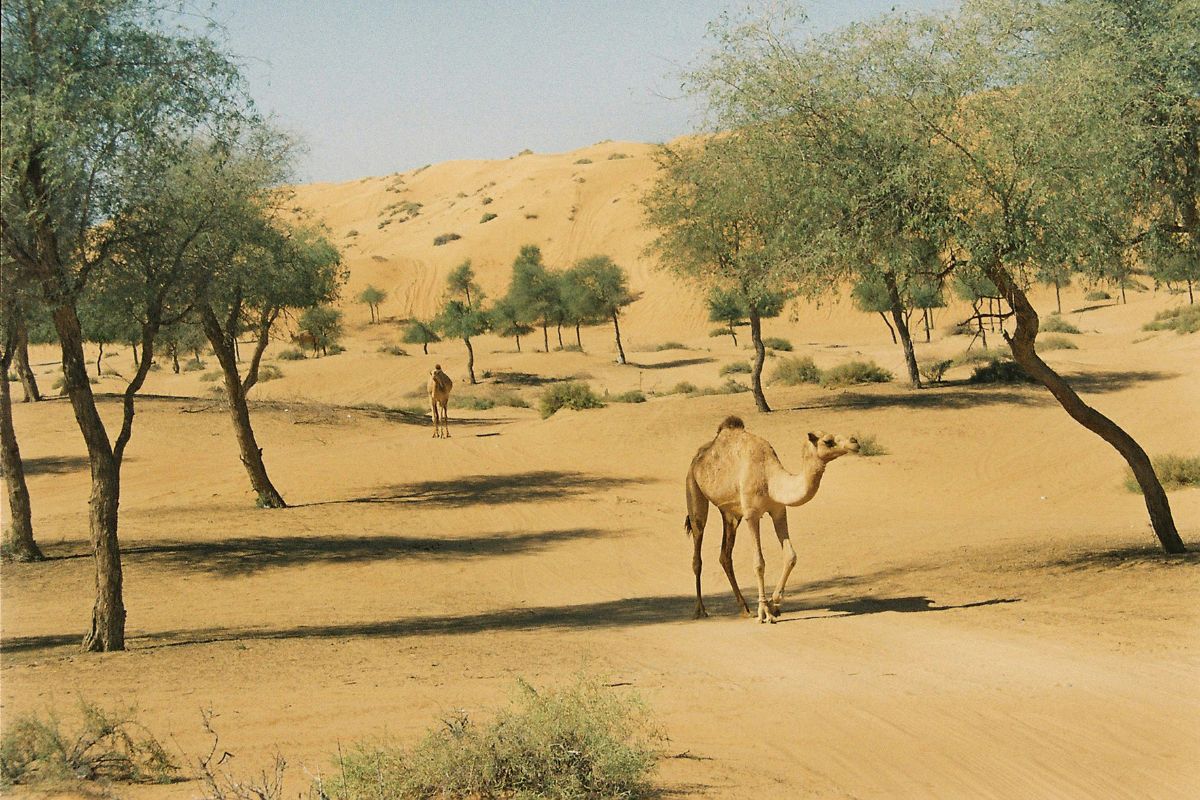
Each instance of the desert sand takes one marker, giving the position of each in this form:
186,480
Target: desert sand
982,612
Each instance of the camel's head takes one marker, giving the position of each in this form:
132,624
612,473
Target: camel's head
828,446
436,369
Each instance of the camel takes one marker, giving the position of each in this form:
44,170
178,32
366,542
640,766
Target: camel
305,339
439,395
740,474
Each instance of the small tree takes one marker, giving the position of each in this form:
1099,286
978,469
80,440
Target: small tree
727,308
596,288
505,321
372,297
18,544
421,332
324,324
534,291
463,318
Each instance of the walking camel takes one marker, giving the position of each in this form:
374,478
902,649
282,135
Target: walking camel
439,395
740,474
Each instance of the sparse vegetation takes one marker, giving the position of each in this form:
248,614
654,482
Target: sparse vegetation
393,350
684,387
735,368
583,741
1056,324
1175,472
933,370
869,446
1185,319
269,372
209,377
1097,295
794,371
471,401
486,201
1056,343
193,365
658,348
628,397
350,234
855,372
487,218
1000,370
572,394
776,343
107,745
531,216
583,161
291,354
618,156
445,238
507,397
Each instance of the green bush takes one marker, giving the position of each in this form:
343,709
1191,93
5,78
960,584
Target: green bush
736,368
291,354
1056,324
445,238
572,394
1097,294
730,386
933,370
507,397
658,348
269,372
629,397
794,371
869,446
487,218
854,372
1185,319
472,402
584,741
393,350
998,370
583,161
192,365
108,745
569,348
684,387
776,343
980,356
334,349
1056,343
1175,472
531,216
350,234
485,201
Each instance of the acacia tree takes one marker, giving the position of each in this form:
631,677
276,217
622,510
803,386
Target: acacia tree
534,291
324,325
98,98
506,321
463,318
596,288
372,297
422,333
18,544
727,308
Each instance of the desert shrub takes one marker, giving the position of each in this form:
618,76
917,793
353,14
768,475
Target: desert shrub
572,394
776,343
209,377
334,349
569,348
350,234
794,371
853,372
658,348
960,329
1056,324
629,397
269,372
736,368
684,387
730,386
1175,472
1000,370
583,161
582,741
869,446
445,238
618,156
1185,319
1056,343
1097,294
487,218
980,356
485,201
531,216
507,397
108,745
192,365
933,370
472,402
291,354
393,350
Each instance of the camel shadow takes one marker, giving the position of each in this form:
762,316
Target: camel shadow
534,486
877,605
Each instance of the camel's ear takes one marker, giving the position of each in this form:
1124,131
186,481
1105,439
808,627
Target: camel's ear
814,438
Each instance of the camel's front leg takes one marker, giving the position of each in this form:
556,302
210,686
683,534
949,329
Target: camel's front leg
779,518
446,419
760,566
433,412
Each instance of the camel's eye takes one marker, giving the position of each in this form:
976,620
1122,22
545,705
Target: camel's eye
829,442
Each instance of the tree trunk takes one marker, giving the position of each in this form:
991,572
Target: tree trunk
901,320
19,544
891,330
470,360
518,343
617,331
927,316
760,356
1191,297
560,341
578,338
175,359
1058,295
545,338
21,362
251,453
264,337
733,333
136,360
1022,345
425,347
99,356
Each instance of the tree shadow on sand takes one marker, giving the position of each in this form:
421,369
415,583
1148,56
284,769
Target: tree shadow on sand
534,486
54,465
679,362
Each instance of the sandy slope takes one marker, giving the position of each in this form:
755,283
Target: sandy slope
980,613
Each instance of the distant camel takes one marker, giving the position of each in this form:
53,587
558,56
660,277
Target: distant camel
304,338
439,395
740,474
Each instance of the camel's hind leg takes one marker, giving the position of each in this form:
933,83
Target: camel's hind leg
433,407
728,537
697,517
779,518
446,418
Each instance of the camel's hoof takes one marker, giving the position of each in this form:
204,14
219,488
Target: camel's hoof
773,608
700,614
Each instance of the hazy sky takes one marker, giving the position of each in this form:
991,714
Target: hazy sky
378,86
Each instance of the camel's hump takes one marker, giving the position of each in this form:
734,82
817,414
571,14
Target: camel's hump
731,423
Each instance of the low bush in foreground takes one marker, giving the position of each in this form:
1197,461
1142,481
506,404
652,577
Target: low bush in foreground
291,354
629,397
854,372
1185,319
736,368
471,402
107,746
776,343
507,397
583,741
730,386
999,370
1056,324
1056,343
572,394
1175,472
869,446
933,370
796,370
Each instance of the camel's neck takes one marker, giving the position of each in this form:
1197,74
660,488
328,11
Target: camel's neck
795,489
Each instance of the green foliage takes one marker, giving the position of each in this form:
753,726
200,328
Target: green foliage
582,741
998,370
736,368
1174,471
192,365
869,446
1056,324
212,377
1096,295
445,238
508,397
663,346
684,387
572,394
871,295
485,201
628,397
506,321
794,371
1185,319
457,320
777,343
471,402
291,354
534,291
1046,343
487,218
107,745
421,332
934,369
372,297
324,323
855,372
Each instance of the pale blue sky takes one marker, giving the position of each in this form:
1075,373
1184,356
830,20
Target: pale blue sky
374,87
